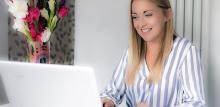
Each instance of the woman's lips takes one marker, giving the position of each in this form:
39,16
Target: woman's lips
144,30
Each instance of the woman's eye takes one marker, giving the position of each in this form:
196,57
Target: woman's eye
150,14
134,17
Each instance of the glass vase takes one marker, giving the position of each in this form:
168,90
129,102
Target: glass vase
41,54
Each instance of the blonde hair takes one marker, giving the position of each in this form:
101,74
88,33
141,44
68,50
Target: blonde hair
137,48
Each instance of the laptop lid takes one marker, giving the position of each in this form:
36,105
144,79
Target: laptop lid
43,85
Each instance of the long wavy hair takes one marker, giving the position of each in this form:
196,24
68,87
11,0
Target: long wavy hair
137,47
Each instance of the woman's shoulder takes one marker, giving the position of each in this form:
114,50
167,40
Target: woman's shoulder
181,46
182,41
186,44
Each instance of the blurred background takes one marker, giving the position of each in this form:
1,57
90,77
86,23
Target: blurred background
101,37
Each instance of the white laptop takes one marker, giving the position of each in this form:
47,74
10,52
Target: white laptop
43,85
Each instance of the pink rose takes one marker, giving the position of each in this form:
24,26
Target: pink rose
62,12
32,31
34,13
33,34
39,39
28,19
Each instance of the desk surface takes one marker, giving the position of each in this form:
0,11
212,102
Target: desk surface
5,105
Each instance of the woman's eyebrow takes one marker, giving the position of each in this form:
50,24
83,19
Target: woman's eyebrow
146,11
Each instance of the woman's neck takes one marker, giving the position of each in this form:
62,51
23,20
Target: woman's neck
153,49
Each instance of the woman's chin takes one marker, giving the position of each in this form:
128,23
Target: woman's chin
147,38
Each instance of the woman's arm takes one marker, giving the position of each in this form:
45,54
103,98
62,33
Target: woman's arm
191,77
116,89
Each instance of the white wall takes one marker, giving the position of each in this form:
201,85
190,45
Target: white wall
101,34
3,31
214,52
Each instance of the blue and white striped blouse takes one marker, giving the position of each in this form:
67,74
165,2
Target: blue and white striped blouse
181,84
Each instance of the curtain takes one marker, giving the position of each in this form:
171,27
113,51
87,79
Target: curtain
191,20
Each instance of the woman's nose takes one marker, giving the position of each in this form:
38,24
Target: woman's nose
142,22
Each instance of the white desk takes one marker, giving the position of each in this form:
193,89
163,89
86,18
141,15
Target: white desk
5,105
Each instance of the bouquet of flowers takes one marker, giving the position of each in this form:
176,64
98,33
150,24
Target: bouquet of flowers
36,19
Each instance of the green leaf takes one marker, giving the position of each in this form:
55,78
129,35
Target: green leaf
29,39
53,23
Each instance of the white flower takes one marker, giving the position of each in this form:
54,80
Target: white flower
19,25
46,35
44,13
51,4
18,8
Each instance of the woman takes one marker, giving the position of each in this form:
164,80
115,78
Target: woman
159,69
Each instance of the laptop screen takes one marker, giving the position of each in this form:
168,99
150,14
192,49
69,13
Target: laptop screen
43,85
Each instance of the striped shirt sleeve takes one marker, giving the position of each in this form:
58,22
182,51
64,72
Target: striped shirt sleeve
116,89
191,77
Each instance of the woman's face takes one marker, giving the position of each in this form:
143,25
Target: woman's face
148,20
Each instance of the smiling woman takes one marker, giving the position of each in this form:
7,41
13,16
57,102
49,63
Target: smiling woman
160,68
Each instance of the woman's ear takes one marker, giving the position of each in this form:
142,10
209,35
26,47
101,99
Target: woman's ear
169,14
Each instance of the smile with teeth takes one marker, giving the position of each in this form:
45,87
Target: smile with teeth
146,29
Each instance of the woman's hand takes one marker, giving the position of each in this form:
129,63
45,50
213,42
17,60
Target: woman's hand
142,105
107,102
